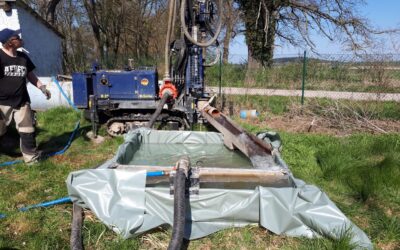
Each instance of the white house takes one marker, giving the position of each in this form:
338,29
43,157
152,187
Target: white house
42,42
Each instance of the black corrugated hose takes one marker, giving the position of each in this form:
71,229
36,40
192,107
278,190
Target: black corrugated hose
179,210
160,106
78,215
76,239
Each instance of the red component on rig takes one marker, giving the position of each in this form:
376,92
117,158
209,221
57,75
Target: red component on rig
168,87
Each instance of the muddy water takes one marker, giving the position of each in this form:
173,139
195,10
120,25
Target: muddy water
206,155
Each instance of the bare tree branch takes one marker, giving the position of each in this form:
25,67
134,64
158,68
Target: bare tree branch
297,21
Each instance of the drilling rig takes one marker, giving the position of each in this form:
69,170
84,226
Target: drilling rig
134,97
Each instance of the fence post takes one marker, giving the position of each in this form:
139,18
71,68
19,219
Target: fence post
220,74
304,77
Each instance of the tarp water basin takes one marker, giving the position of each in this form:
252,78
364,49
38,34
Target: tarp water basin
121,196
161,150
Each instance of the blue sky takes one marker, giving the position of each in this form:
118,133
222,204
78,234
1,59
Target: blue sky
383,14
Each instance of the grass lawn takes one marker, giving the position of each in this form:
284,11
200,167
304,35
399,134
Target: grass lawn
360,173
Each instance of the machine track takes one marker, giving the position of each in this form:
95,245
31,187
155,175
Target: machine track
118,126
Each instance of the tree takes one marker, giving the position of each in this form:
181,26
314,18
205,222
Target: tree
295,21
72,22
51,10
45,8
131,26
107,18
111,31
231,21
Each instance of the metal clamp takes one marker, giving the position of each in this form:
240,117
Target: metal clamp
192,174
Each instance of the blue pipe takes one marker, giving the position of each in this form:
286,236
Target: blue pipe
155,174
9,163
47,204
63,93
77,125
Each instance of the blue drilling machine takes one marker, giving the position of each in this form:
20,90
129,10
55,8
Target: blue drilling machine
133,97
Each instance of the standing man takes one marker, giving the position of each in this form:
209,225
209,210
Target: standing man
15,68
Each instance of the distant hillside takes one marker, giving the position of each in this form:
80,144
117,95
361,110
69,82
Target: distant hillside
285,60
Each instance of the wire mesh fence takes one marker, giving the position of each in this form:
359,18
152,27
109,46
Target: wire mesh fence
334,76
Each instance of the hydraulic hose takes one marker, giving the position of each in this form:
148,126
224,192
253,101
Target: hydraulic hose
76,239
164,99
178,228
171,24
217,58
186,30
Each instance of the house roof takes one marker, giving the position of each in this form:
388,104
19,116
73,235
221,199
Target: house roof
26,7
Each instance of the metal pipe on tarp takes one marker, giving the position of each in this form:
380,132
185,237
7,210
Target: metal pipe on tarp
257,150
274,178
213,111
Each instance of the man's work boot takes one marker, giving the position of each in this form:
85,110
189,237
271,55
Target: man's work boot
28,147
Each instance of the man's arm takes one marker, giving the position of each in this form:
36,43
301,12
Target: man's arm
35,81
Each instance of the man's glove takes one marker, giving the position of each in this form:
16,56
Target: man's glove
45,91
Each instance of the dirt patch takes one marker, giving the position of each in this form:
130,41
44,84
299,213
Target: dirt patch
341,126
389,246
21,226
335,117
317,125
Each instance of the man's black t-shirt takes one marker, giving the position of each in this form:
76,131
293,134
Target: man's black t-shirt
13,71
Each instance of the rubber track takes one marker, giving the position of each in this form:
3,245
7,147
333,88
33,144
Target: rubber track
143,118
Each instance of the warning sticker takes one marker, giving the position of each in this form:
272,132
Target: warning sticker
144,82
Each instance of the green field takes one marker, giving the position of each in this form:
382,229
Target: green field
360,173
334,76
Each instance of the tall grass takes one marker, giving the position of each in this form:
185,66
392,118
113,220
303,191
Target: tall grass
360,173
343,242
385,228
369,167
279,105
